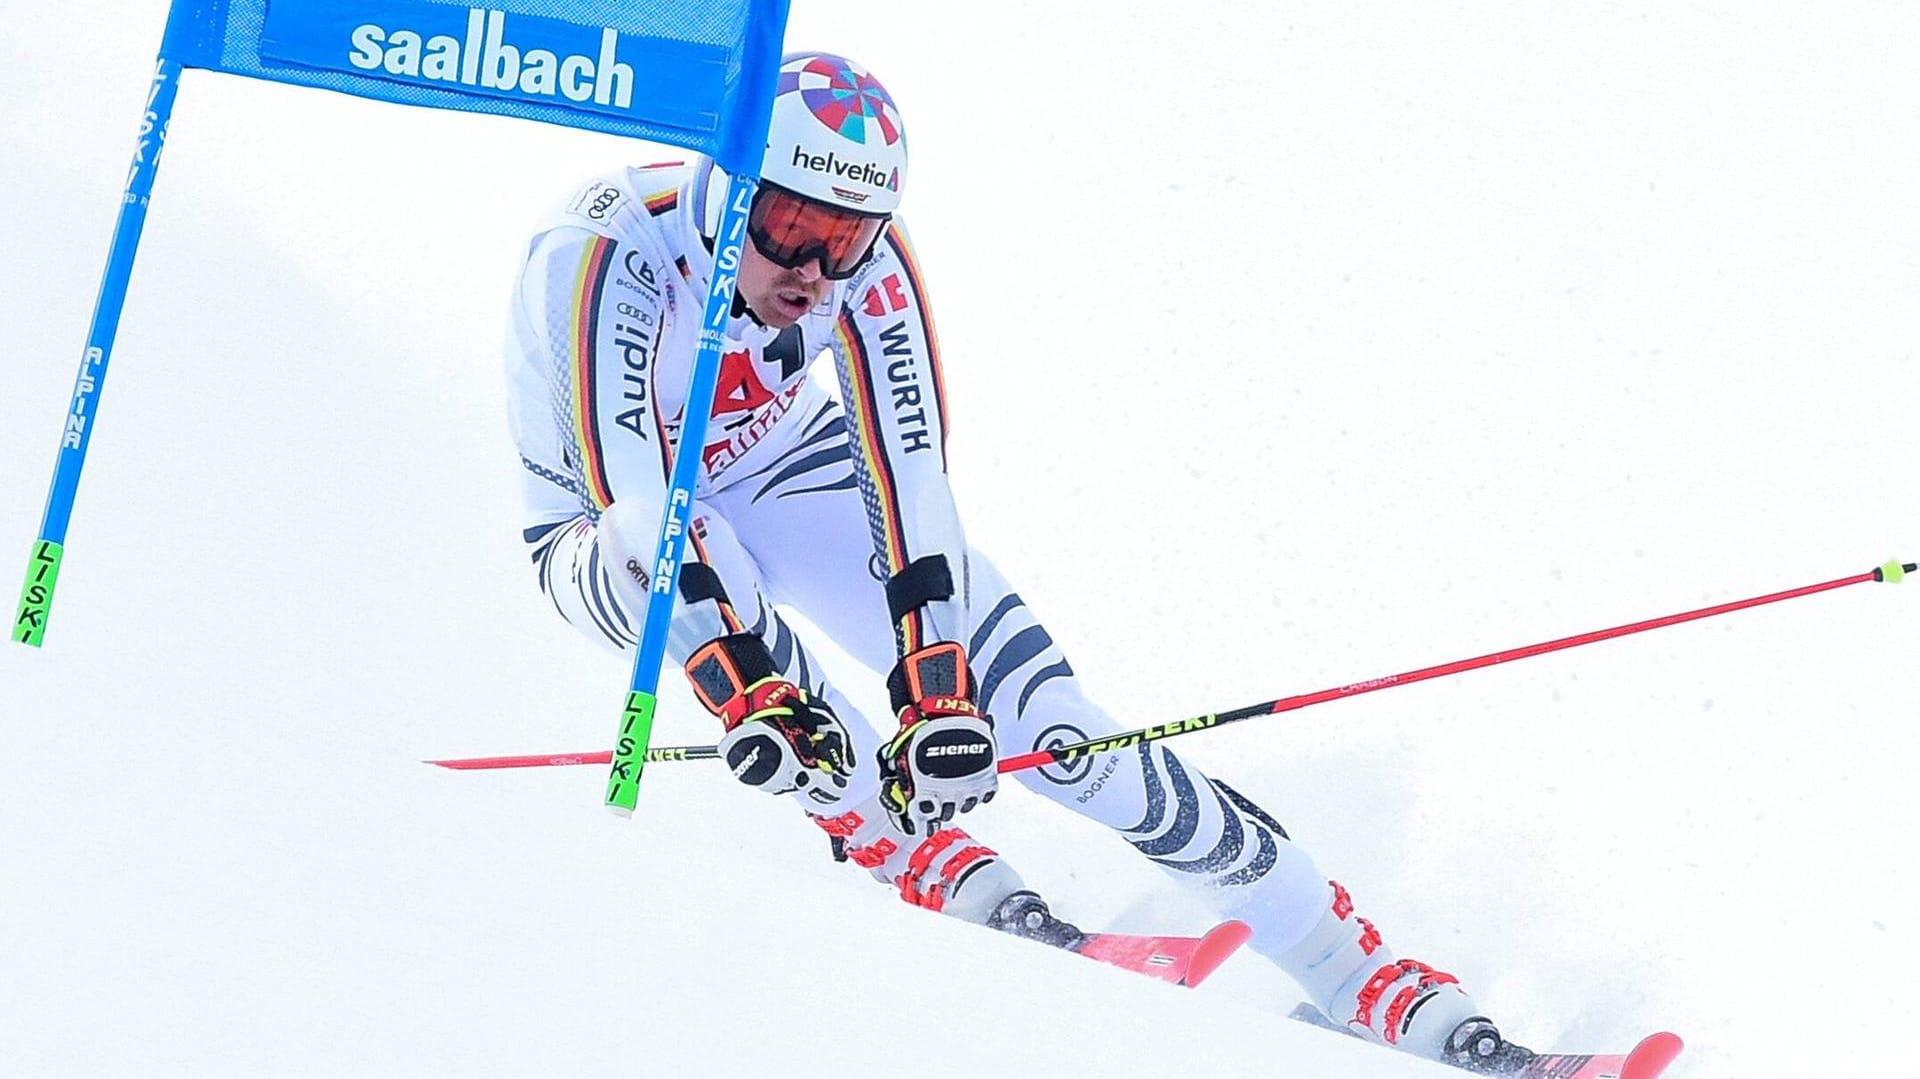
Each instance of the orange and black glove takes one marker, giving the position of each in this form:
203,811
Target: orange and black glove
942,760
780,739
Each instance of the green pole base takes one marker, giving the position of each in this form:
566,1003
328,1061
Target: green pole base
630,752
36,595
1893,572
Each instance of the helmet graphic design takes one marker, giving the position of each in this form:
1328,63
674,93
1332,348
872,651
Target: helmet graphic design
835,135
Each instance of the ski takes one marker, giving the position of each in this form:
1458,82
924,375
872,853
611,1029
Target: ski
1181,960
1647,1060
1644,1061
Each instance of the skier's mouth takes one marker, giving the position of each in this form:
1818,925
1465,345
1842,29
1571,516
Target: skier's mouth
794,304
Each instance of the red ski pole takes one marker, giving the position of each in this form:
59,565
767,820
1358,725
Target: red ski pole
1892,572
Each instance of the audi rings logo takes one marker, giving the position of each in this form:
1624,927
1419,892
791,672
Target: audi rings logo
1063,734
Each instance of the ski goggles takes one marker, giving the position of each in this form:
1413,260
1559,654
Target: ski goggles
792,230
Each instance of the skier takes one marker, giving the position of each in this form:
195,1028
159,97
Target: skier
842,510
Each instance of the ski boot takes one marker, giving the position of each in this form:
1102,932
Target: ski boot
1352,977
948,871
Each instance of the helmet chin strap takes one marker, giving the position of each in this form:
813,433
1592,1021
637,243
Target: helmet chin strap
742,307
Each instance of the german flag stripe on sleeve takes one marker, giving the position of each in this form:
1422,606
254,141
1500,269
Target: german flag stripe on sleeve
596,266
664,202
883,506
911,265
661,333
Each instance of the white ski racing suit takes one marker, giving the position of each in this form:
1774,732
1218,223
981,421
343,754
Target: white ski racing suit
813,503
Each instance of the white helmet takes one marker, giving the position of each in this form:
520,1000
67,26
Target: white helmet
836,135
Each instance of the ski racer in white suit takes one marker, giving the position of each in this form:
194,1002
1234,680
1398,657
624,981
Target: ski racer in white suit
841,509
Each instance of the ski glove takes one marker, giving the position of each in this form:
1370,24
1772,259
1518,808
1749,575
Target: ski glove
780,739
942,760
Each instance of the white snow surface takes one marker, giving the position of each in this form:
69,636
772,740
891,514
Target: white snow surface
1288,346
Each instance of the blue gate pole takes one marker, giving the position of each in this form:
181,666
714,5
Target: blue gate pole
636,721
43,567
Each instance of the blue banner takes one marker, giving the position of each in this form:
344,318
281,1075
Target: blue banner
697,74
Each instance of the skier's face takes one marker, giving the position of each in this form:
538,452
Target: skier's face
780,297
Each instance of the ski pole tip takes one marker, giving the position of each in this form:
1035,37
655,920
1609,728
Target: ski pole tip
1893,572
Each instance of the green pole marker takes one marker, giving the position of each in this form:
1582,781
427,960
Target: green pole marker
36,595
1892,572
636,726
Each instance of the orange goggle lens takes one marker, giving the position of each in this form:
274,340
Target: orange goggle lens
792,231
